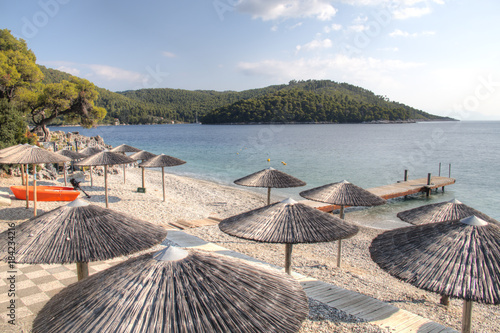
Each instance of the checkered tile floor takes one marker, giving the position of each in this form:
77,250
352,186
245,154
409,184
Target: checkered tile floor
36,284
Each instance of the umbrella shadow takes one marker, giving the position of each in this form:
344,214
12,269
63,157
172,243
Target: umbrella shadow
101,198
18,213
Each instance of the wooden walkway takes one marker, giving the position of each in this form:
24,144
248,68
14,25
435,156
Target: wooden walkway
410,187
366,308
399,189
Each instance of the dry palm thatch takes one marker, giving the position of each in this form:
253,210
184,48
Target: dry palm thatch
288,222
33,155
142,155
71,154
440,212
191,292
455,258
13,149
343,193
123,148
161,161
270,178
80,232
105,158
89,151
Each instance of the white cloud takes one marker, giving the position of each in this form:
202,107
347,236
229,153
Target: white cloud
316,45
406,34
286,9
69,70
356,70
110,77
333,27
168,54
409,12
358,27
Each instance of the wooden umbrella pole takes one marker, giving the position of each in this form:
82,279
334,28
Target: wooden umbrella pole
467,317
124,176
34,189
27,187
64,168
91,179
143,182
339,248
163,181
288,258
268,196
22,175
82,270
339,252
106,184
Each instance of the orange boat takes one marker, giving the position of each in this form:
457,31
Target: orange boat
46,193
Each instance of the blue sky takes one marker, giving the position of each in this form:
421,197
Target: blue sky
441,56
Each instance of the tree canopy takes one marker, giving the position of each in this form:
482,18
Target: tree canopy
23,93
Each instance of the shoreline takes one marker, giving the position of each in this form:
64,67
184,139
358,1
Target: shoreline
191,198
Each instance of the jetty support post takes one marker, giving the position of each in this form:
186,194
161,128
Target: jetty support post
429,176
406,175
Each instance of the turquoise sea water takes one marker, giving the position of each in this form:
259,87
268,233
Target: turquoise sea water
367,155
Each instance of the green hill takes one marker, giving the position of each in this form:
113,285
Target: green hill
298,101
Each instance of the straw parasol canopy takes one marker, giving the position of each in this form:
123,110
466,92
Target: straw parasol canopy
89,151
123,148
144,156
178,291
14,149
79,233
440,212
105,158
288,222
33,155
162,161
71,154
270,178
344,194
455,258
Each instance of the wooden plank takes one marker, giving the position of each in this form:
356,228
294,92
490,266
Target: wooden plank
365,305
320,292
381,313
346,301
414,326
335,296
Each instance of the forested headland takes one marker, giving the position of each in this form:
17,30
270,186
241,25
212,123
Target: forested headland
311,101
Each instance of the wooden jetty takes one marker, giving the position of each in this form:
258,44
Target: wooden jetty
399,189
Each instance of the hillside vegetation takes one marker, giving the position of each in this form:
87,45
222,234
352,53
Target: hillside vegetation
296,102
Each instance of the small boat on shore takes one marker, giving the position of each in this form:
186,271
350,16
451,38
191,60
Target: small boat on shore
46,193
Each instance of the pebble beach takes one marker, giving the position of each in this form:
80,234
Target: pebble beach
191,199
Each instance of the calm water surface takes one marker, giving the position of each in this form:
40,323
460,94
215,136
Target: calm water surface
365,154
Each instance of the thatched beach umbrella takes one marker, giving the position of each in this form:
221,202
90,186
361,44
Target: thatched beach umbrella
33,155
270,178
79,233
24,175
288,222
162,161
456,258
105,158
143,156
178,291
343,194
440,212
89,151
123,148
74,157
